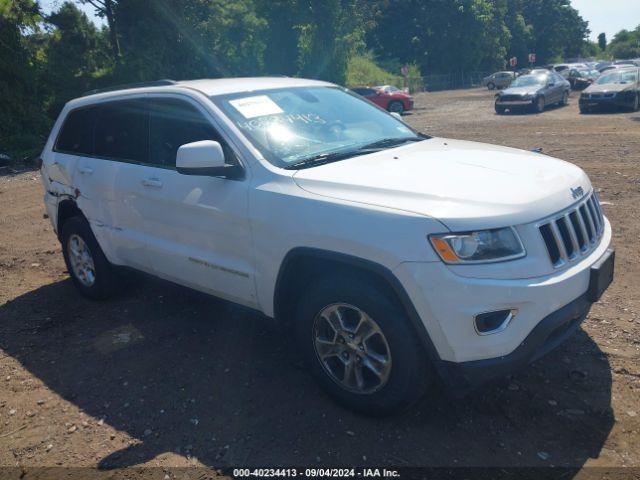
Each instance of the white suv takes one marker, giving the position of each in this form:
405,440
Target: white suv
394,258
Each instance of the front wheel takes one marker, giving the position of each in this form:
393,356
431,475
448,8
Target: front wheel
491,86
538,105
565,99
636,103
360,346
89,269
396,107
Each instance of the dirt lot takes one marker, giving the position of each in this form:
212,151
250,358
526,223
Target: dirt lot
161,376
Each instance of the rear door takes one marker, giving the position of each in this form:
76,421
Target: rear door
106,180
197,227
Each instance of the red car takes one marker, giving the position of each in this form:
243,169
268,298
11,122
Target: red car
388,97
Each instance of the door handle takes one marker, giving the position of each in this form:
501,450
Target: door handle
85,170
152,182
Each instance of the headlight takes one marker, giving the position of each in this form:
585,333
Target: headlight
482,246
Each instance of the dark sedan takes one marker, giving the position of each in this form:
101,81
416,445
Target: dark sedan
534,92
618,88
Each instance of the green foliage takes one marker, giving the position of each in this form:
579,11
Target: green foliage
445,36
625,44
362,70
44,62
21,119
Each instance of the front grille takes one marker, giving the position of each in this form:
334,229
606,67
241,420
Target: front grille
574,232
510,98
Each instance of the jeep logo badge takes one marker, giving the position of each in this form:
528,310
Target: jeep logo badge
577,192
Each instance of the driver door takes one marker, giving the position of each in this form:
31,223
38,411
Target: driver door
197,227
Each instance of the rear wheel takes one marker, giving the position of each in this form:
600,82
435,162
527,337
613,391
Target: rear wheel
360,346
396,107
89,269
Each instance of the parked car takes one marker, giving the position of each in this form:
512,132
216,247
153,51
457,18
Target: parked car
534,92
581,78
388,97
619,88
387,256
624,63
498,80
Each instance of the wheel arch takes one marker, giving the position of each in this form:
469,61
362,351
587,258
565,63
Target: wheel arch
67,208
303,263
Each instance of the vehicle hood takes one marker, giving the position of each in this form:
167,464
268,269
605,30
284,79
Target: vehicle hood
608,87
531,90
465,185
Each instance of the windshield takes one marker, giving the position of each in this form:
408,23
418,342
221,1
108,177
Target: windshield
629,76
291,125
529,81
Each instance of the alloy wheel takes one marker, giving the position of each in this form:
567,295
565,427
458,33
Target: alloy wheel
351,348
81,260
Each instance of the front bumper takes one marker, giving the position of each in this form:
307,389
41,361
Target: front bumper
514,103
549,308
624,101
547,335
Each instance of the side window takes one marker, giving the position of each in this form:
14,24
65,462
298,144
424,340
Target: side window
122,131
76,134
173,123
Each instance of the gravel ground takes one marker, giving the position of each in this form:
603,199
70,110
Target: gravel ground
161,376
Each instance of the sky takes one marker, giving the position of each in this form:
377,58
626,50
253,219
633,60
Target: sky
608,16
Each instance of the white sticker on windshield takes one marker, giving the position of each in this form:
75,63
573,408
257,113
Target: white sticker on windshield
258,106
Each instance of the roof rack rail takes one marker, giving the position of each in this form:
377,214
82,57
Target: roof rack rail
125,86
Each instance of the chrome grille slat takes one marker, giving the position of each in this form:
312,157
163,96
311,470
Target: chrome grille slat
574,232
558,239
583,229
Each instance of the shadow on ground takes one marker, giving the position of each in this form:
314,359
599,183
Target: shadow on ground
186,373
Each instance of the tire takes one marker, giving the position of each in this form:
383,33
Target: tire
636,103
93,276
565,99
539,104
405,375
396,107
491,86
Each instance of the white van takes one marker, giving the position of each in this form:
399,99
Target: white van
393,259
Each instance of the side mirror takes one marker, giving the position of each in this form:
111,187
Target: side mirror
205,158
551,84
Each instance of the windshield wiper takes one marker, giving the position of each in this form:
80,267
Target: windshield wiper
376,146
323,159
391,142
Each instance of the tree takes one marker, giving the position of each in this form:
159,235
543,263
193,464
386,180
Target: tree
22,123
73,55
625,44
105,8
602,41
189,39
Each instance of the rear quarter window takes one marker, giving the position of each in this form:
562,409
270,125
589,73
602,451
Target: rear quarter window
76,134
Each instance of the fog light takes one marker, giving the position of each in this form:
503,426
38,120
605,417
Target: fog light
493,322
